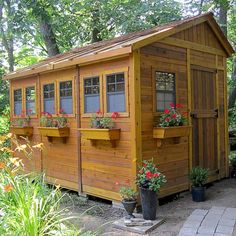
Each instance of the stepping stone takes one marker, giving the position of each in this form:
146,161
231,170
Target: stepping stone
139,225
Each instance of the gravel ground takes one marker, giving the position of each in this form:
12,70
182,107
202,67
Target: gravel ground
97,215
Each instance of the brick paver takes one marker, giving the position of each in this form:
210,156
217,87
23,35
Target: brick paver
218,221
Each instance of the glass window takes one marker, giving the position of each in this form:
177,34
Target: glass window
48,97
165,90
91,94
30,100
116,92
17,102
66,103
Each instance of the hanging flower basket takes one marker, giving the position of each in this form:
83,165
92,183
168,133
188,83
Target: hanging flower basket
23,131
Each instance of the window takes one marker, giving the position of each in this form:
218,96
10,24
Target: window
116,92
91,94
17,102
66,103
30,100
48,96
165,90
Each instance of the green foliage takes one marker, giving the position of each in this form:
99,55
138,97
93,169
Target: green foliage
150,177
128,194
5,121
232,159
198,176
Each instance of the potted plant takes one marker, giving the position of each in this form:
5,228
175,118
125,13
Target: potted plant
198,176
129,200
54,126
232,159
102,127
21,124
149,180
172,124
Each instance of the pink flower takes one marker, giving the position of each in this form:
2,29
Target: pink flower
167,111
99,112
156,175
114,115
172,105
167,119
174,116
117,183
61,111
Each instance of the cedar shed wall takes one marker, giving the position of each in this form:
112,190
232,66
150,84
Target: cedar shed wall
171,55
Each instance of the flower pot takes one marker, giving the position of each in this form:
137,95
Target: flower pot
129,207
23,131
171,132
149,203
100,134
198,194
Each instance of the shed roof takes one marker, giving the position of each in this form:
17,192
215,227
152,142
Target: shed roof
120,46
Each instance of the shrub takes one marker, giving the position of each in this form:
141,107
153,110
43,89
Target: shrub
150,177
128,194
232,159
198,176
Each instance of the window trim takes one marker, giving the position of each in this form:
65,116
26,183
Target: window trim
126,79
13,101
55,96
57,108
154,87
87,76
36,101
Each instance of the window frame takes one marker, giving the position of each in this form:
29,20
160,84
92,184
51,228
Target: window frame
36,101
58,96
126,80
55,96
87,76
13,101
154,87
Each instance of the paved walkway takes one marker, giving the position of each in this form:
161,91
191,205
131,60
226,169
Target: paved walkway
218,221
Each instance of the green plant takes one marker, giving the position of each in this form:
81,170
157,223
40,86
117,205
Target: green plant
5,121
128,194
232,159
198,176
100,121
172,116
150,177
48,120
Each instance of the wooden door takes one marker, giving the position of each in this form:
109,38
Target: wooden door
204,120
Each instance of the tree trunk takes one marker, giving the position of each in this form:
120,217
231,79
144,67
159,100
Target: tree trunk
232,96
223,17
48,36
96,37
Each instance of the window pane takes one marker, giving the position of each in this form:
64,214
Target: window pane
66,105
30,100
30,108
111,78
48,91
91,103
111,88
49,105
17,95
165,88
116,102
17,102
17,108
66,89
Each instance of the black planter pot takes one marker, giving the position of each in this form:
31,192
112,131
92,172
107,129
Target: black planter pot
129,207
198,194
149,203
233,173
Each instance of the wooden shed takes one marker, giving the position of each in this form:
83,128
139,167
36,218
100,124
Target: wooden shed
188,56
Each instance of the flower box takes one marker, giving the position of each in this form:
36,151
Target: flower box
23,131
101,134
51,132
175,132
171,132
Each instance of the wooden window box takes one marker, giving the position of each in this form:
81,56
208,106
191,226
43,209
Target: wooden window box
100,134
175,132
54,132
23,131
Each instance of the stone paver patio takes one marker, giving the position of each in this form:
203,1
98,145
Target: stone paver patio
218,221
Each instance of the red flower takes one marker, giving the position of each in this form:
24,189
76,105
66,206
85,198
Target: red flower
167,119
179,106
149,175
172,105
114,115
99,112
49,114
174,116
43,113
156,175
167,111
116,183
185,114
144,165
61,111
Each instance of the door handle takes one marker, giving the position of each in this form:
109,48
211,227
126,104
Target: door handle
217,112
